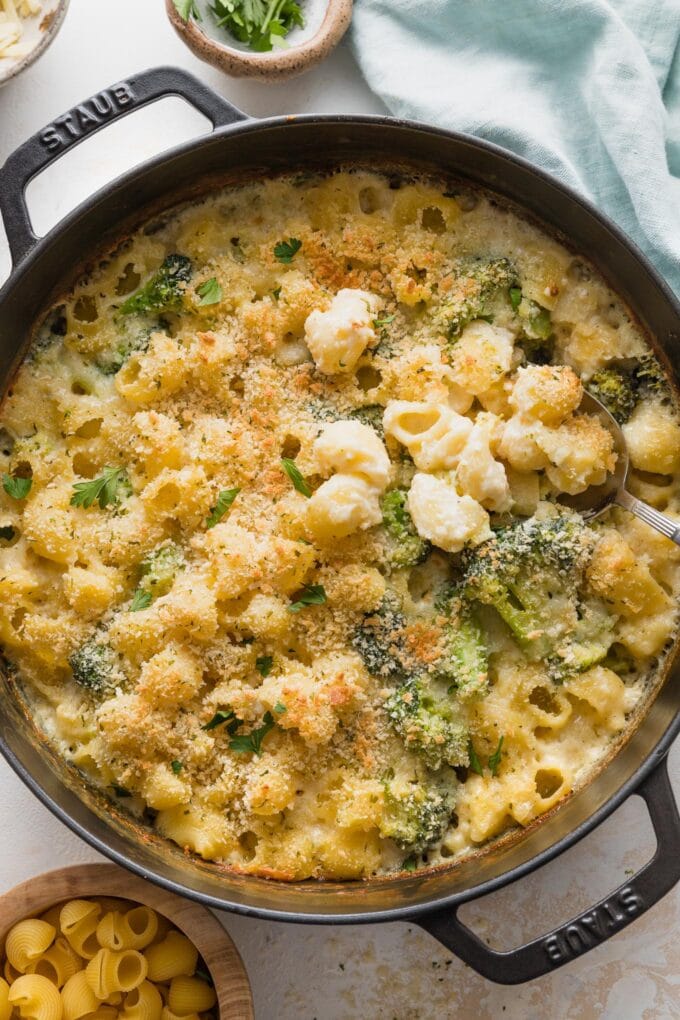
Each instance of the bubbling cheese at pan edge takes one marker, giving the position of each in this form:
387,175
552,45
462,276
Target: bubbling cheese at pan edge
281,554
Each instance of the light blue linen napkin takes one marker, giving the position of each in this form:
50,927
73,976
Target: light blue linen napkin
587,89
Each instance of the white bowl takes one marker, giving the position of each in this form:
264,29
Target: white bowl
38,34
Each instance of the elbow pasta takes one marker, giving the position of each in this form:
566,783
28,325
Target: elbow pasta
233,533
141,969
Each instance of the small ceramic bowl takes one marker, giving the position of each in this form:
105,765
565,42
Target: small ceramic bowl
220,955
326,21
39,32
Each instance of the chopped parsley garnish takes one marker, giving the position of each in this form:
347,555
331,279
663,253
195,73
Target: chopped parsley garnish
176,767
209,292
312,595
279,708
285,251
120,791
475,764
104,489
140,600
409,863
261,24
224,501
17,488
515,297
264,664
293,472
495,759
251,743
224,715
187,9
385,321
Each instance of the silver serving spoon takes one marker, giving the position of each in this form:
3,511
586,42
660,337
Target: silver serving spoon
598,498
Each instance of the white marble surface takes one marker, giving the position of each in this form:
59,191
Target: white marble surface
395,971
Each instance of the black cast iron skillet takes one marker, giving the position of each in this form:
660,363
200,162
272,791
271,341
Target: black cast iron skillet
241,147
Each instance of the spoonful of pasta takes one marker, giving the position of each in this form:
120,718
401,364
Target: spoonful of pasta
598,498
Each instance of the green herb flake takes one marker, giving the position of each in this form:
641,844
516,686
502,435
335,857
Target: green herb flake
176,767
264,664
17,488
279,708
495,759
515,294
385,321
295,475
187,9
410,863
251,743
285,251
103,489
312,595
224,501
223,715
140,600
475,764
209,292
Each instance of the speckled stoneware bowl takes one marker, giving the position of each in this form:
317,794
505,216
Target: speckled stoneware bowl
326,21
39,32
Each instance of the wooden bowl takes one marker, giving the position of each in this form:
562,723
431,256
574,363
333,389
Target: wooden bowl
219,953
239,62
39,33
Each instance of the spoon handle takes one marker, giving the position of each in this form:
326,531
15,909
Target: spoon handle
646,513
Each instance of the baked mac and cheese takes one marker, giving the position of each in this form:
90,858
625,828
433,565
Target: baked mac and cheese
283,561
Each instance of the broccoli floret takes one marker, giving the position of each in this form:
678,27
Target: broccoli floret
95,667
416,814
531,573
536,339
132,340
378,638
164,291
428,720
614,388
483,282
159,569
649,378
464,664
405,546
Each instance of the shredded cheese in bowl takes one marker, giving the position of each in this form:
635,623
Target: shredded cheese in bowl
12,13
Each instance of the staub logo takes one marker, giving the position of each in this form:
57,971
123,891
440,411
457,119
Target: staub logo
593,927
87,117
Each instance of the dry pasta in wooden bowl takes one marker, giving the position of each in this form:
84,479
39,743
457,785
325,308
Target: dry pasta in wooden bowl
93,943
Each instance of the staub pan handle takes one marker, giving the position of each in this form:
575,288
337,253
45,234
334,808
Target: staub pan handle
85,119
590,928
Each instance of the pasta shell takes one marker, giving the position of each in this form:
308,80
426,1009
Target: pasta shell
167,1014
77,997
36,998
27,941
5,1006
174,956
75,912
110,972
142,925
144,1003
58,964
190,995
